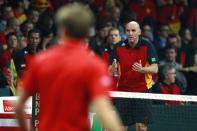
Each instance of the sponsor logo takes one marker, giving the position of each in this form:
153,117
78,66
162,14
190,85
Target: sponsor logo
153,59
9,105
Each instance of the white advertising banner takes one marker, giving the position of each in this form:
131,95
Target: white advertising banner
7,105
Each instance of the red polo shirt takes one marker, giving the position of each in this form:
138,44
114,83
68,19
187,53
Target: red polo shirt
131,80
171,89
68,78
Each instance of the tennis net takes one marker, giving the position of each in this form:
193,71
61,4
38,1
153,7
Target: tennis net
160,111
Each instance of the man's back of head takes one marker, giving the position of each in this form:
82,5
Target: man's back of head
76,19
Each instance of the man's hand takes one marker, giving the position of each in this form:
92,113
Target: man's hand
137,66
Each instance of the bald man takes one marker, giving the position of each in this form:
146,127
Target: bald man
137,62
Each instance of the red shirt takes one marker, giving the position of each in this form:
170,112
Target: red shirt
131,80
68,78
171,89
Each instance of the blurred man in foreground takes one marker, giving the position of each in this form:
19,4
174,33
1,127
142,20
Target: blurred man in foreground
72,80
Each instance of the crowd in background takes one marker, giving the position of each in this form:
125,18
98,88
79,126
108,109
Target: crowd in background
28,27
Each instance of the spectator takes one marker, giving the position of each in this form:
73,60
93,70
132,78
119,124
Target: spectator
6,56
147,32
46,23
168,83
116,14
113,39
170,57
26,27
23,56
6,13
98,42
175,40
7,64
161,40
186,37
33,15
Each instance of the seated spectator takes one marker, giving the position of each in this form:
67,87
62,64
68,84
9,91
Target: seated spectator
6,55
116,14
33,15
170,57
175,40
26,27
7,64
6,13
168,83
160,40
97,43
147,32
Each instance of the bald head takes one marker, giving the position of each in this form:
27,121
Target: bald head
133,32
134,24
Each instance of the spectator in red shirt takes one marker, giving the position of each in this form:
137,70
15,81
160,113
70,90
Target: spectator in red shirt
6,61
168,85
6,56
112,39
75,86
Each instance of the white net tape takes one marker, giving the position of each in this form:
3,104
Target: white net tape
153,96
